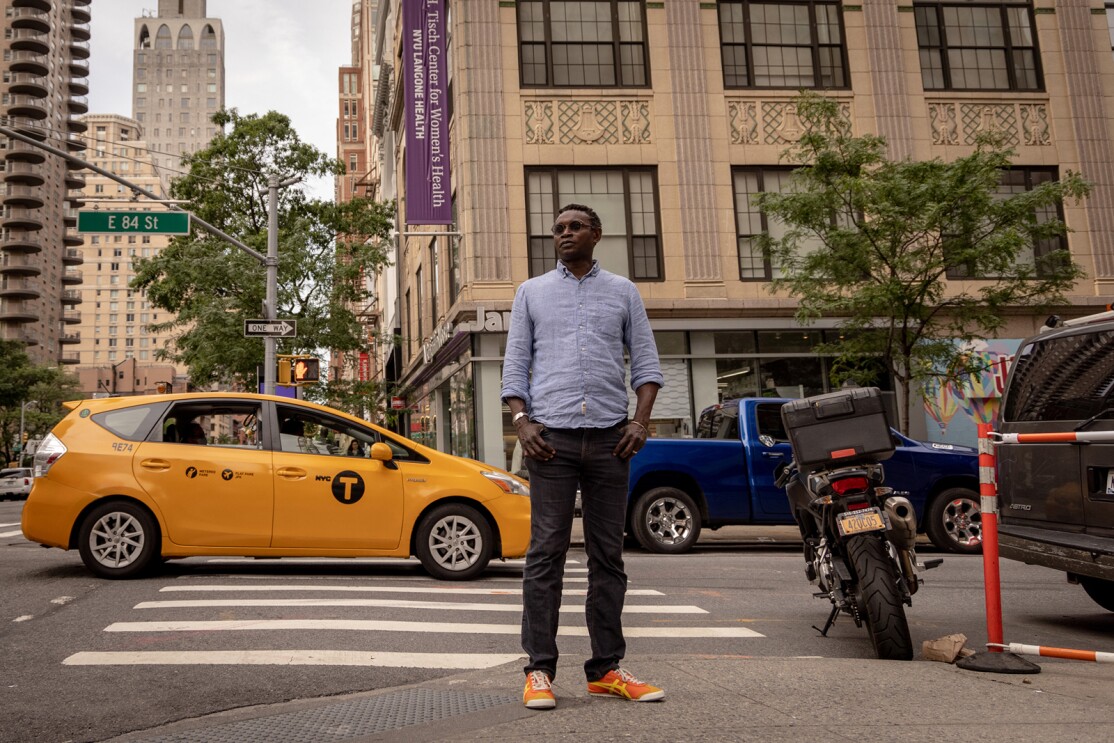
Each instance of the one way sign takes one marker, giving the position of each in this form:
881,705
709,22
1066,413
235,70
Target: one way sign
271,328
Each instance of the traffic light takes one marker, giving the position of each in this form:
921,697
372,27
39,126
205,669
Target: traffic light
307,370
25,437
284,371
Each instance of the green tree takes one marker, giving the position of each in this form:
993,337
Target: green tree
41,388
873,242
211,287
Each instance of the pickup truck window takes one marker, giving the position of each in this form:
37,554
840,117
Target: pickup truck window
1065,378
719,422
769,421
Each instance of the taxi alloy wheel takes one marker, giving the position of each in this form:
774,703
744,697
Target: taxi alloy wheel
454,542
119,539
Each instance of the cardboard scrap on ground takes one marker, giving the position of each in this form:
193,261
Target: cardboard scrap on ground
945,649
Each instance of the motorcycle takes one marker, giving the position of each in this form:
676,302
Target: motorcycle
859,536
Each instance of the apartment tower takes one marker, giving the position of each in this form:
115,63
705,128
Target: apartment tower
44,67
177,81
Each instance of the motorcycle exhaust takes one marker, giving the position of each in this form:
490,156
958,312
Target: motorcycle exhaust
903,522
903,535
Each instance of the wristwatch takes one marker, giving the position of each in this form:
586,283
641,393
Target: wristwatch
519,416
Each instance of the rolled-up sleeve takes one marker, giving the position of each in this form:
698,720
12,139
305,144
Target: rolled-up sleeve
644,364
520,350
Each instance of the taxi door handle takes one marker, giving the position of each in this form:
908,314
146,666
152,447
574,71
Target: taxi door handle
291,473
155,465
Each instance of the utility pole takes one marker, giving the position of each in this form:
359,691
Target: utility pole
270,309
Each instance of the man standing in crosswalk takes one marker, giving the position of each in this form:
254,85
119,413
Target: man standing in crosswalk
564,381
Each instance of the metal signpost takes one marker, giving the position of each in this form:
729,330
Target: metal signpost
161,223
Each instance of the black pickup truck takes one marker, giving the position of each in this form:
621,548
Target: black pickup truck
1057,499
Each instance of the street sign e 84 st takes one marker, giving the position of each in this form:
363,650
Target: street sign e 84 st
160,223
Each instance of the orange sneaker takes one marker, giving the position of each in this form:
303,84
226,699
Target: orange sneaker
538,693
619,683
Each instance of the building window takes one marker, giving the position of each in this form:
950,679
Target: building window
625,199
978,47
782,45
750,222
583,44
1020,180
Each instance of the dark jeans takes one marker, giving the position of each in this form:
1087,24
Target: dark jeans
583,457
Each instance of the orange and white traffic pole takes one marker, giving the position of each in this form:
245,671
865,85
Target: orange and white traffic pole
1066,437
988,501
1047,652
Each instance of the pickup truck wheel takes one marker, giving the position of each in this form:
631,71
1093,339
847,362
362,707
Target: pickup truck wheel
1101,591
666,520
954,521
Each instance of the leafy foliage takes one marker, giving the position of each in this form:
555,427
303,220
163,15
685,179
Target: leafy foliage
872,242
23,382
211,287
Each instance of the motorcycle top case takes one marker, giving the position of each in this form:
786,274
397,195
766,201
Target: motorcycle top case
838,428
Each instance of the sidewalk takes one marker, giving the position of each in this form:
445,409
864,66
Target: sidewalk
719,698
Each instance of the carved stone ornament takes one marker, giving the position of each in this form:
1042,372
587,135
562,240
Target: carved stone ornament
570,121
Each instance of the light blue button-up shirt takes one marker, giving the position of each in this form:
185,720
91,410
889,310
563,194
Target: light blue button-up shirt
571,333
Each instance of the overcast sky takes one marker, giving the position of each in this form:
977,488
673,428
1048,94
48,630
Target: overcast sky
280,55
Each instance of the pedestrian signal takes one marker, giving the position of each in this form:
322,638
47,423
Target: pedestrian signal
284,371
307,370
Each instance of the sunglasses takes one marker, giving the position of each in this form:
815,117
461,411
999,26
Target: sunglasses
575,226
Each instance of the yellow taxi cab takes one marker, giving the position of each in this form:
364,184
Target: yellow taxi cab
130,481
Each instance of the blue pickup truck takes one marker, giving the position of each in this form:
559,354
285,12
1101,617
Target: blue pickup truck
725,476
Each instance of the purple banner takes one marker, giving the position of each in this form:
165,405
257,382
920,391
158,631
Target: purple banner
428,192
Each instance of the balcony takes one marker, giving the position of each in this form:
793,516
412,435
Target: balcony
74,179
80,30
28,83
27,107
19,289
24,153
28,129
20,242
72,277
26,40
79,85
75,199
79,67
29,174
19,218
32,18
19,265
69,360
76,126
79,48
71,296
78,104
70,339
33,62
80,14
25,196
18,312
71,318
72,238
73,144
82,2
72,257
43,5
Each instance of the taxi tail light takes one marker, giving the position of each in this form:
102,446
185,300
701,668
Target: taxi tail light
49,452
850,485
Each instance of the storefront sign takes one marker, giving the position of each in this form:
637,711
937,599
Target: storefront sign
427,121
439,338
397,403
489,322
365,367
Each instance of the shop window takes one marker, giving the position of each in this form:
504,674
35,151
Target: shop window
791,45
989,46
627,203
582,44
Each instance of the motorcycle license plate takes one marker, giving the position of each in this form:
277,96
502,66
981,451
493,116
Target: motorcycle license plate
858,522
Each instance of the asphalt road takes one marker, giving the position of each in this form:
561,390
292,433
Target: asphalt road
65,636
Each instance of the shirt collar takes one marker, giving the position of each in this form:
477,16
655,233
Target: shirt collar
566,273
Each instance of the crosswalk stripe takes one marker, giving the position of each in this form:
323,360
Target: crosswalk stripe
16,533
346,561
456,661
388,589
374,625
397,604
14,523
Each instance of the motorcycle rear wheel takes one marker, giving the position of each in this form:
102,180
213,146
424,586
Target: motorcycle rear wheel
879,598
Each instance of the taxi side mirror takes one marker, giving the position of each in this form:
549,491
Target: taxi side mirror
381,452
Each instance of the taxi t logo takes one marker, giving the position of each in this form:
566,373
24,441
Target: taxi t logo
348,487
